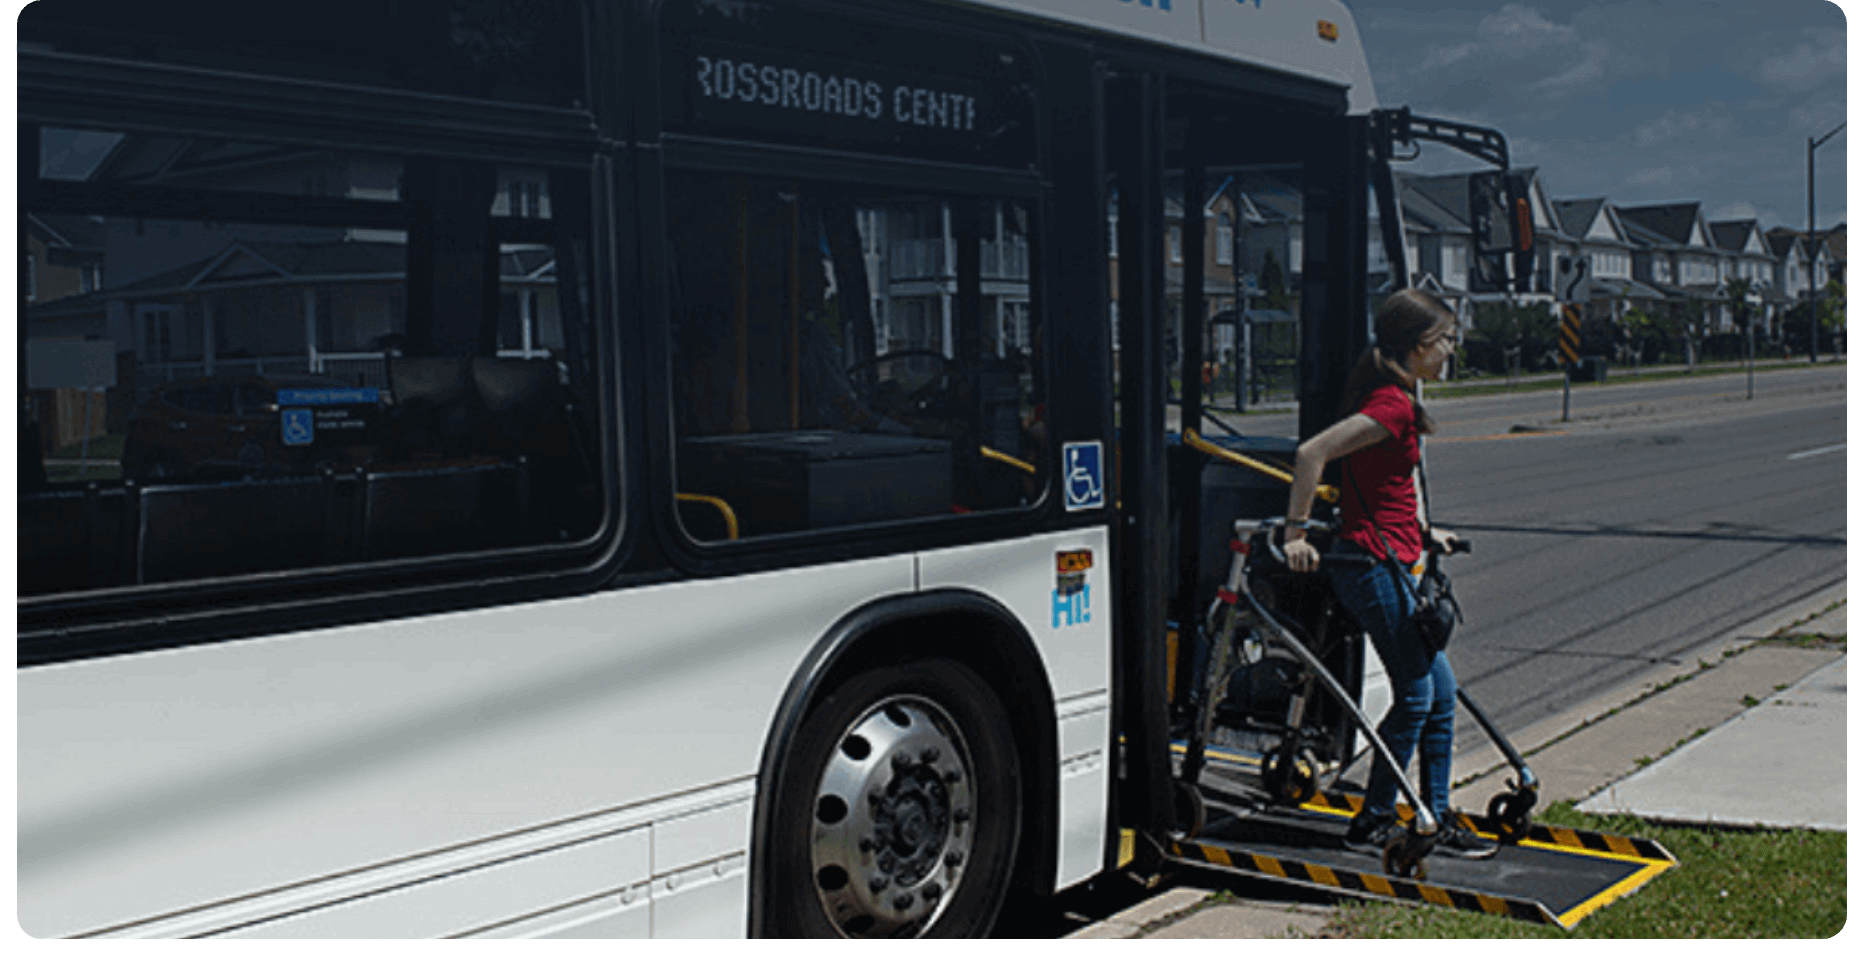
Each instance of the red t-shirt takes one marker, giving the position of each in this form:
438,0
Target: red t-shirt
1383,476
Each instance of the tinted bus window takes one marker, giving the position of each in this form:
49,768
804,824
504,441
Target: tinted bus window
847,356
334,357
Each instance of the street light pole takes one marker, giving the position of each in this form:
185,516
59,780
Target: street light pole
1813,318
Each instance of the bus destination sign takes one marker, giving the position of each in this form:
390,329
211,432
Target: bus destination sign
793,96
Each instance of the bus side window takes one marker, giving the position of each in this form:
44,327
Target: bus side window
846,356
312,357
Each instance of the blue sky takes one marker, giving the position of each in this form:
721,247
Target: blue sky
1639,101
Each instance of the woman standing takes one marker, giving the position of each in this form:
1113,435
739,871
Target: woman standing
1414,333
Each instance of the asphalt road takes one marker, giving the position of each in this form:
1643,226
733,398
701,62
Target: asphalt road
1661,514
1658,517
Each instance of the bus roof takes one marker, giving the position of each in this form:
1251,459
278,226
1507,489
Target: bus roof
1311,38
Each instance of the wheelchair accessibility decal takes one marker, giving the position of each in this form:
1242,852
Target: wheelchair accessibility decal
1069,602
297,426
1082,476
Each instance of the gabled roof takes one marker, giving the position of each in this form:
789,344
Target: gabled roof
1590,219
1739,236
1271,198
1430,214
1452,192
1681,224
72,231
1784,243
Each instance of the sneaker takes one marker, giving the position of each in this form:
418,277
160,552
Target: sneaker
1458,841
1372,833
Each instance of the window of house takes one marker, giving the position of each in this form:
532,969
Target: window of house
1223,239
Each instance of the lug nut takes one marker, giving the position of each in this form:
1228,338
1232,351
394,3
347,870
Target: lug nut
929,755
903,901
876,797
961,815
864,845
953,859
952,776
931,892
902,761
877,883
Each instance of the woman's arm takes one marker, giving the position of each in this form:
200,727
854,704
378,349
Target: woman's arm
1344,437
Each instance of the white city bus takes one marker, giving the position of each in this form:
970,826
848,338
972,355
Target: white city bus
622,467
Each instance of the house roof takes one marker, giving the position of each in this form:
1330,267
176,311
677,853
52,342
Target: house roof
73,231
1733,235
1430,213
1673,222
1581,217
259,262
1452,193
1271,198
1782,241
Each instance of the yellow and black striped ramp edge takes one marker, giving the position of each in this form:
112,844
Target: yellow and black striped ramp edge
1555,875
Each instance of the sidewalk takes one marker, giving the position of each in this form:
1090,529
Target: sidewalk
1752,732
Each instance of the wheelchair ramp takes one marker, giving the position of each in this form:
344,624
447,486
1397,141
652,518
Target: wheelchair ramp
1556,875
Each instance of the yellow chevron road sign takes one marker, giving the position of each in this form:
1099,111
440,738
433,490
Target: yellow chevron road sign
1570,334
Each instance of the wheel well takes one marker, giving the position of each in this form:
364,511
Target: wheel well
977,633
1005,658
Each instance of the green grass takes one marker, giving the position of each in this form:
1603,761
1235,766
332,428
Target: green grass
1552,381
1728,884
108,446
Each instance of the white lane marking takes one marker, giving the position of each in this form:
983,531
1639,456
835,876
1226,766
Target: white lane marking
1817,451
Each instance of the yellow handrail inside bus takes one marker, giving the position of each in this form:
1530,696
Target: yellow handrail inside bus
732,521
1017,463
1327,493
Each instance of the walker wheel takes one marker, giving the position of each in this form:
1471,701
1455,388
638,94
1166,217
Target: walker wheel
1510,811
1404,857
1290,777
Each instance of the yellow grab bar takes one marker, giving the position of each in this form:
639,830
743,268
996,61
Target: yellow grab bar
732,521
1017,463
1327,493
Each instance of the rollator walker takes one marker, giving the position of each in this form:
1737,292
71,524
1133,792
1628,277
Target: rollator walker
1276,650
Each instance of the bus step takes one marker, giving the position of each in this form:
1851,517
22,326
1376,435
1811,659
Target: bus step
1555,875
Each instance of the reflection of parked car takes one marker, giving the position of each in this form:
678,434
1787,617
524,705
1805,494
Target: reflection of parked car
231,426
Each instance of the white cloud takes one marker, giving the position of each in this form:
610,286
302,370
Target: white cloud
1820,59
1651,176
1591,68
1674,125
1518,28
1509,34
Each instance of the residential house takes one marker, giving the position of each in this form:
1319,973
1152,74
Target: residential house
1607,247
1789,248
200,297
1747,256
911,256
1681,259
1437,216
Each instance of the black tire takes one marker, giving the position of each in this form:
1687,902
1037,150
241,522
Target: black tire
929,753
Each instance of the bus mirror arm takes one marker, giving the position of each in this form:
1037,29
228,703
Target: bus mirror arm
1399,127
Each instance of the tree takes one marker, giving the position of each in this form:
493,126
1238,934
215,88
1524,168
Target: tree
1526,331
1276,294
1644,329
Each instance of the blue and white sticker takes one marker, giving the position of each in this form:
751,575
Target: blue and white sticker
298,426
1082,481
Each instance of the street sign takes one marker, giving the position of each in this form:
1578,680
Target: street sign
1570,335
1572,280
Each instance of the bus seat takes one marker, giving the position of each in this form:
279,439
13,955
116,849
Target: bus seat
187,532
421,512
72,539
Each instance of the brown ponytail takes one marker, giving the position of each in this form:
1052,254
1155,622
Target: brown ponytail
1405,317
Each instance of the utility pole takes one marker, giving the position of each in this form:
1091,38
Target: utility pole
1813,306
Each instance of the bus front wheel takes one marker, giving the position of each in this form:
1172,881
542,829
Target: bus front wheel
900,808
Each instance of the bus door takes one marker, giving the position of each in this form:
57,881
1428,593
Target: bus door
1237,231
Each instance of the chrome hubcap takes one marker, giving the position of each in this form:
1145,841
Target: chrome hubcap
892,831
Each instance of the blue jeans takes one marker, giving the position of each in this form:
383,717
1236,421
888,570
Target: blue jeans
1425,694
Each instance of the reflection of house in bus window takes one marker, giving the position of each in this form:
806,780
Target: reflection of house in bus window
837,371
446,366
